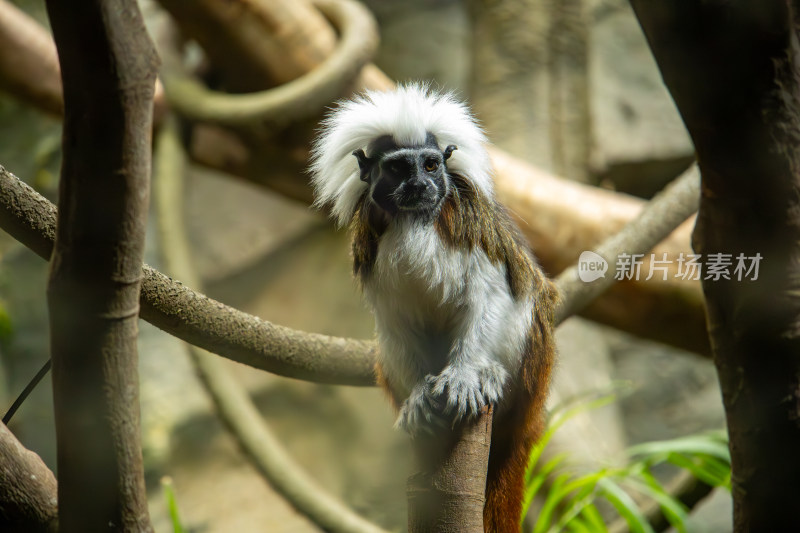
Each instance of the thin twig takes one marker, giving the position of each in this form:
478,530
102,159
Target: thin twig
235,407
26,391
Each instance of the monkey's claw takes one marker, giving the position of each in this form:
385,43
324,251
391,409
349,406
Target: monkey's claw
420,412
464,392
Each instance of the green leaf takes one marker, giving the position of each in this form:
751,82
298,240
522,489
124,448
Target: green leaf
535,479
572,496
594,518
585,498
554,497
691,445
625,506
700,470
172,506
579,526
587,401
674,510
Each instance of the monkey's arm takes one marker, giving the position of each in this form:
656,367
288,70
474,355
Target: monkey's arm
474,375
472,378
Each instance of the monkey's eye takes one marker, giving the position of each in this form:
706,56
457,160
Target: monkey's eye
431,165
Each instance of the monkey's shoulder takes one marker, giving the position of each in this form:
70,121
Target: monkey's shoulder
469,219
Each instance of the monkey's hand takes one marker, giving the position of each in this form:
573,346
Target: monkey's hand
420,412
464,390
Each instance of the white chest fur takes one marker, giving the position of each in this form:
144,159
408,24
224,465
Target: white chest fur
437,306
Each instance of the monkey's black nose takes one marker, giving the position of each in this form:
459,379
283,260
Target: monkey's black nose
417,185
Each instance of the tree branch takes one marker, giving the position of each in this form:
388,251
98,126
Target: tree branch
204,322
93,288
667,210
28,61
293,100
193,317
27,489
29,68
234,406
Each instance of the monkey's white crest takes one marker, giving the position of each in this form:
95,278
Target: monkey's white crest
408,114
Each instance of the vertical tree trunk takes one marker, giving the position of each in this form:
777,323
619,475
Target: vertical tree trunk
732,68
108,67
447,495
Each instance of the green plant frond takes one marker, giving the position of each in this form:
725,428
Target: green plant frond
534,473
706,470
563,412
714,466
625,506
534,479
674,510
6,324
570,503
551,503
579,526
594,519
570,497
576,508
693,445
172,505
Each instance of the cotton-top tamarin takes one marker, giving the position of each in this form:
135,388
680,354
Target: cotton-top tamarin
464,315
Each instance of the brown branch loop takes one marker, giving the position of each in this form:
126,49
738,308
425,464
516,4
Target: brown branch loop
291,101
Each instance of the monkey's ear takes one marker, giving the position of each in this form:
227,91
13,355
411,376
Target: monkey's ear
364,164
449,151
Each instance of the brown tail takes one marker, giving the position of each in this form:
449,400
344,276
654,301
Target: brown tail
516,431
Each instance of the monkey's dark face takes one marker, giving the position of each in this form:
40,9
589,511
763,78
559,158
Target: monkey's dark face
405,179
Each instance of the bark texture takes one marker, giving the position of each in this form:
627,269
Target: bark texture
732,68
27,489
448,493
108,67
